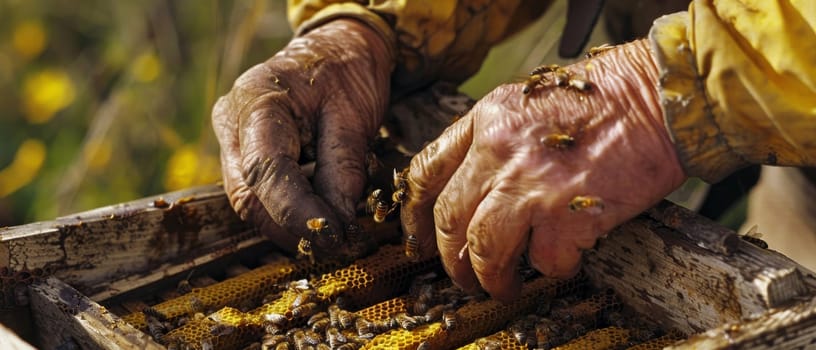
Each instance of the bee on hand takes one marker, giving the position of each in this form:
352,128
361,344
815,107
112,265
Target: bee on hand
377,206
589,204
558,141
305,249
595,51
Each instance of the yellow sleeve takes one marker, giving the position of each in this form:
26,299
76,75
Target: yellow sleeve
738,83
434,39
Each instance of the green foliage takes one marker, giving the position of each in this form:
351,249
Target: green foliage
106,101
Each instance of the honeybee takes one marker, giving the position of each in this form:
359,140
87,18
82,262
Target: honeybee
151,311
595,51
317,317
405,321
303,297
448,320
559,141
518,332
385,325
335,338
300,285
561,77
400,188
400,179
546,68
305,249
346,318
435,313
312,337
377,206
273,329
364,326
546,333
303,310
323,346
184,287
411,246
316,225
334,312
532,81
488,344
196,305
221,329
590,204
300,340
207,344
424,345
275,318
579,84
754,237
155,327
321,325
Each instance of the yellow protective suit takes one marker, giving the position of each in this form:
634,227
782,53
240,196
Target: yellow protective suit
738,77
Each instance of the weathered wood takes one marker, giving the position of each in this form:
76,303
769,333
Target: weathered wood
704,232
793,327
121,242
10,341
64,315
666,274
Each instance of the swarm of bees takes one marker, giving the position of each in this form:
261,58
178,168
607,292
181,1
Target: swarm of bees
560,76
377,206
337,328
590,204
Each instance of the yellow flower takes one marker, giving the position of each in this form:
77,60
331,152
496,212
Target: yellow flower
25,166
46,93
146,67
29,38
188,167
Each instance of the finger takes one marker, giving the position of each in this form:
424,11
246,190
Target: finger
269,140
452,214
497,236
241,198
340,173
556,254
429,172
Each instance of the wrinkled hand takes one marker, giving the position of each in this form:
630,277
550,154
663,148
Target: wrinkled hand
324,94
504,184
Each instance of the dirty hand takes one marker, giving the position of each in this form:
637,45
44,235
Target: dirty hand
546,173
320,98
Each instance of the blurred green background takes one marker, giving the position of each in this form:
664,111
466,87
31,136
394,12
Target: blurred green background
107,101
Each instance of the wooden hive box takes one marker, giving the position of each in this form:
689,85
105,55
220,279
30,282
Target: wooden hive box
669,263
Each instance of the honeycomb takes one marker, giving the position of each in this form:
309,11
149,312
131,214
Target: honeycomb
249,287
659,342
604,338
367,280
474,319
500,340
